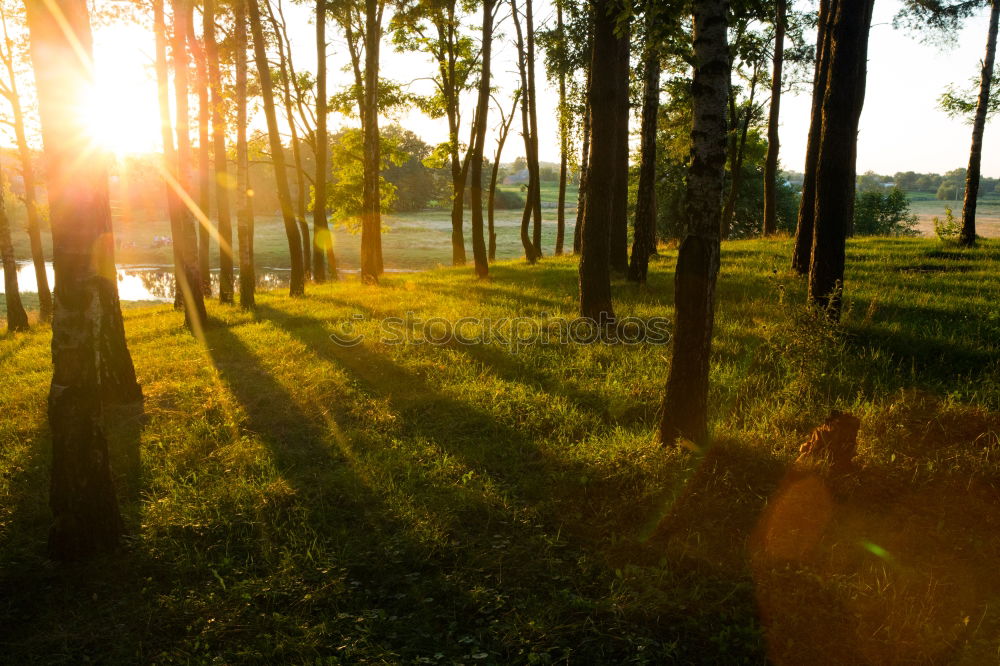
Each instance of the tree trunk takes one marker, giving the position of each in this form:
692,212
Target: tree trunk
17,318
296,285
204,161
322,239
534,172
685,406
88,342
30,195
219,155
773,139
736,180
505,125
602,100
968,235
836,172
190,286
563,143
284,67
644,239
619,197
371,206
581,200
522,67
476,156
802,253
244,202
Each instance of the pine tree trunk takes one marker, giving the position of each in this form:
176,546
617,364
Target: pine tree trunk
219,156
685,406
322,239
244,203
602,100
619,197
773,139
836,171
968,234
190,285
88,343
644,239
296,285
476,156
204,161
371,206
17,318
802,252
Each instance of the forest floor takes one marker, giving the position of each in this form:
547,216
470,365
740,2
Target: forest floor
291,500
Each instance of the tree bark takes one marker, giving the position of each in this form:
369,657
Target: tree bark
244,202
644,239
563,142
802,253
190,286
534,171
581,200
476,155
836,172
602,100
685,406
89,354
17,318
204,159
530,254
505,124
222,186
322,239
773,138
736,180
968,234
619,197
30,194
296,285
371,205
284,67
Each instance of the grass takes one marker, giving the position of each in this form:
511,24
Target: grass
289,500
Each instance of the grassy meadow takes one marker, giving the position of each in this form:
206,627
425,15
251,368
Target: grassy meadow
291,500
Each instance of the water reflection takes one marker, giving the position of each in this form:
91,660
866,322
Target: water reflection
144,283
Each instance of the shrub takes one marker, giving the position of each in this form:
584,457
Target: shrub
884,213
949,228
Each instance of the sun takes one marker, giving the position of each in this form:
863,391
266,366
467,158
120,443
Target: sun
121,112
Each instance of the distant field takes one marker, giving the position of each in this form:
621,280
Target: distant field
927,207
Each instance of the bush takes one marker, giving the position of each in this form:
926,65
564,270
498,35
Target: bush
949,228
507,200
881,213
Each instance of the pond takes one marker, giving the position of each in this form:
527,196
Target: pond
151,283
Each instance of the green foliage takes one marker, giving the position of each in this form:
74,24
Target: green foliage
949,228
948,191
344,192
883,213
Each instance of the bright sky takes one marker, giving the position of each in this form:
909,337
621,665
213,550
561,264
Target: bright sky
901,128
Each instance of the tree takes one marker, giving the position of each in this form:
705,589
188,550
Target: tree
619,165
843,100
504,130
322,240
802,253
9,89
91,362
297,285
219,156
563,140
244,202
644,237
773,117
188,296
479,139
204,159
968,235
685,405
602,101
435,28
525,67
17,318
